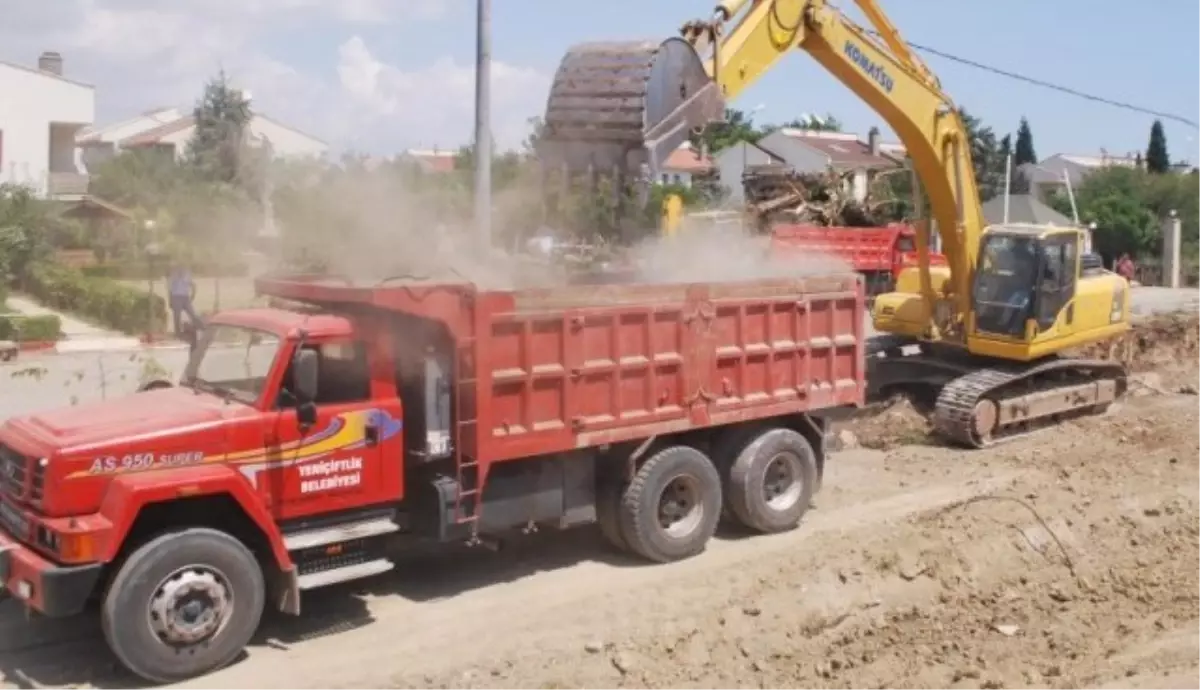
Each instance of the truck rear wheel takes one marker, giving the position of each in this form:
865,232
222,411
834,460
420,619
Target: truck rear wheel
672,506
770,483
185,603
608,512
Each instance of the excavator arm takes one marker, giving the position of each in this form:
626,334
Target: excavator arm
995,331
623,107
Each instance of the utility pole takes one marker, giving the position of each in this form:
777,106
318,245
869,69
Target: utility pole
483,116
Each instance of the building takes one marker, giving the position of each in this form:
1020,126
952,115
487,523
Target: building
684,165
431,160
1023,208
809,152
41,111
732,161
1049,176
173,135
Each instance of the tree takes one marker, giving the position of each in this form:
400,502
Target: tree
218,142
1023,151
1113,199
737,127
25,229
986,158
1157,160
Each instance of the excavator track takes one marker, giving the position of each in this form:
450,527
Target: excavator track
996,405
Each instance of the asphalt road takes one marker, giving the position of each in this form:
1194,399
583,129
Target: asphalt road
40,382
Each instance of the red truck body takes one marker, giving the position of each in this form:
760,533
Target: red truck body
436,412
878,253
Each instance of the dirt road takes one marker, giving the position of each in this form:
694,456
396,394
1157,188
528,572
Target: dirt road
1067,559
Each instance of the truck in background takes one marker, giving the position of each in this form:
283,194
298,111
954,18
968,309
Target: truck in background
304,445
879,254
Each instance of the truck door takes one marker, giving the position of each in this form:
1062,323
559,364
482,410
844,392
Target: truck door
337,463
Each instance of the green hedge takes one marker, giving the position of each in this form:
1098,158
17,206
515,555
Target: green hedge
27,328
140,271
102,300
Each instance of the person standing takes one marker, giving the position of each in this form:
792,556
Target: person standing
1125,267
181,291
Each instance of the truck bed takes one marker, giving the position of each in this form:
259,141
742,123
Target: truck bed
550,370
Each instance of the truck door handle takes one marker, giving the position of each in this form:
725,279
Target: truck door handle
371,434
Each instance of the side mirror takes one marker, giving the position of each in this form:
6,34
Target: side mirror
304,376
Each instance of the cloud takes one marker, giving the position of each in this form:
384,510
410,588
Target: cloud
146,53
436,104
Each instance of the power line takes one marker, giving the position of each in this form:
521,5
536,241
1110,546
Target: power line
1049,85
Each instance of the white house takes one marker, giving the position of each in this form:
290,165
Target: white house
41,111
683,165
167,129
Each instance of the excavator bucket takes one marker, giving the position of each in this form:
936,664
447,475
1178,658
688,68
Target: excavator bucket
624,107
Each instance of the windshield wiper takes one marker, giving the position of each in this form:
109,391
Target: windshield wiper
199,384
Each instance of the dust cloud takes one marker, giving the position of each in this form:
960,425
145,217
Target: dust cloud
722,252
369,226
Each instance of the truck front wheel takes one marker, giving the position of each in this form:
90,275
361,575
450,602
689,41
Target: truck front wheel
183,604
672,506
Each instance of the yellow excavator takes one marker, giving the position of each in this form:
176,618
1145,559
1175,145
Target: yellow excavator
983,342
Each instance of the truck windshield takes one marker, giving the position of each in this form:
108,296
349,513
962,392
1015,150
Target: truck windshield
232,361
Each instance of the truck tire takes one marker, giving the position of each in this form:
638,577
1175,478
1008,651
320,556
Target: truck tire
672,506
608,512
771,482
183,604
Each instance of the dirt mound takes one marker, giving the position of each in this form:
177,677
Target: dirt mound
1153,342
895,423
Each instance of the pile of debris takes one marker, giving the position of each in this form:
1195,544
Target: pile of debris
777,194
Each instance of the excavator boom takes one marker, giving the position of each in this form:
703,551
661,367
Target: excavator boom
991,324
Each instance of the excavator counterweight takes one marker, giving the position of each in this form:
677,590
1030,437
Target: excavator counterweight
624,106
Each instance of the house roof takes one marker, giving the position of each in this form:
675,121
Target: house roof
44,73
433,161
687,159
843,150
154,136
93,134
1097,161
1023,208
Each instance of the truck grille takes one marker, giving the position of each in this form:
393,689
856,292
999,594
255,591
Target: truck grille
13,472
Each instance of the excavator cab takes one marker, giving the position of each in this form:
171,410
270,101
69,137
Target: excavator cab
1035,290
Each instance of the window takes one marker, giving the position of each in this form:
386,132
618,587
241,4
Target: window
343,374
232,361
1056,284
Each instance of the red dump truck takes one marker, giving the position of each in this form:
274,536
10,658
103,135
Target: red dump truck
878,254
302,446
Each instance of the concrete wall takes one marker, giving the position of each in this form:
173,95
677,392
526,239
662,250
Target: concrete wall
732,162
30,101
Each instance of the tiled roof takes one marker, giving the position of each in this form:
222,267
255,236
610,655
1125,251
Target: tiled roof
686,159
153,136
433,161
843,150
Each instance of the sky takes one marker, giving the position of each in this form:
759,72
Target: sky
379,76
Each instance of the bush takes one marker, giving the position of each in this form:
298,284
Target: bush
136,270
26,328
102,300
3,296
